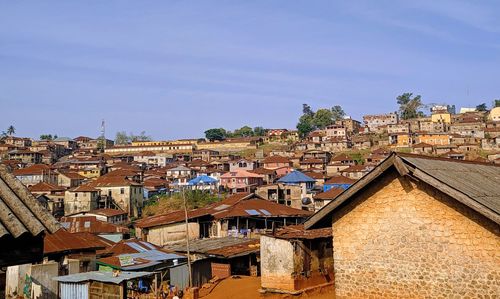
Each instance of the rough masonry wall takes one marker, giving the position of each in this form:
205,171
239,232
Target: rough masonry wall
277,263
404,240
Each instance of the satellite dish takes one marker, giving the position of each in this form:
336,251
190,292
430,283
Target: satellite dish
306,200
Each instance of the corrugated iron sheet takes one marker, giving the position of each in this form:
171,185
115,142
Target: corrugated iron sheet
73,290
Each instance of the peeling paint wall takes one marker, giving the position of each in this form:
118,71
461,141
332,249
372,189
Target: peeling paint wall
36,278
277,263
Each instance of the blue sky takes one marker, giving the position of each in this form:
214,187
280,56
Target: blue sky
176,68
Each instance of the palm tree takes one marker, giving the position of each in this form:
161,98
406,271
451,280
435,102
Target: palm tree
11,130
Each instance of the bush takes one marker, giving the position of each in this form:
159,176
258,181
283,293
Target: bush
174,202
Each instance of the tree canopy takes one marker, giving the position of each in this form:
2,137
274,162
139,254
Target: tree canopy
215,134
245,131
169,203
11,130
337,113
48,137
481,107
122,137
310,120
323,118
409,105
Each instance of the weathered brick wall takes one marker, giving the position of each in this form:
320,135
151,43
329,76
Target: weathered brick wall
403,239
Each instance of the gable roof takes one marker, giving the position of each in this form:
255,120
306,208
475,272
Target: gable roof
64,241
91,224
20,212
330,194
112,181
257,208
237,205
342,157
33,169
45,187
177,216
72,175
478,189
276,159
224,247
241,173
295,177
340,179
293,232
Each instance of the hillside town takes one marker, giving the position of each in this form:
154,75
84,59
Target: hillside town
390,205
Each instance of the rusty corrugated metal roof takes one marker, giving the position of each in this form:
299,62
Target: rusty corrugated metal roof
298,232
91,225
62,241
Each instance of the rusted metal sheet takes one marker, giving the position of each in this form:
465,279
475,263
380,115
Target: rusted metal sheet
221,270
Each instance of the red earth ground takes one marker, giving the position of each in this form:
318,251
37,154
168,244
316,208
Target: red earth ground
247,287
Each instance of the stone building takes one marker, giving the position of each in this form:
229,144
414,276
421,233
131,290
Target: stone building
83,198
375,121
417,227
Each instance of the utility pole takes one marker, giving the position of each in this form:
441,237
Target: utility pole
187,238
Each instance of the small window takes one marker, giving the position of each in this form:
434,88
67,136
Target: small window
122,190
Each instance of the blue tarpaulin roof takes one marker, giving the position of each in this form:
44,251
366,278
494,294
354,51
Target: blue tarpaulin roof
202,180
295,177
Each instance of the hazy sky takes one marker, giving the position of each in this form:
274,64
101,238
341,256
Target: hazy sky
176,68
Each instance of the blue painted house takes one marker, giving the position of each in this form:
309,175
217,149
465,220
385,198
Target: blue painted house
338,182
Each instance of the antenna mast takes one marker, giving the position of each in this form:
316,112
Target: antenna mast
103,138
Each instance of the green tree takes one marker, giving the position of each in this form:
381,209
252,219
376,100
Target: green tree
47,137
306,109
496,103
337,113
11,130
141,137
409,105
215,134
121,138
259,131
305,125
322,118
244,131
481,107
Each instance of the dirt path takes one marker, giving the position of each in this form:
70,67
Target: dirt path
248,288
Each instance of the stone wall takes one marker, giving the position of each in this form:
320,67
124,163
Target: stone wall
402,239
